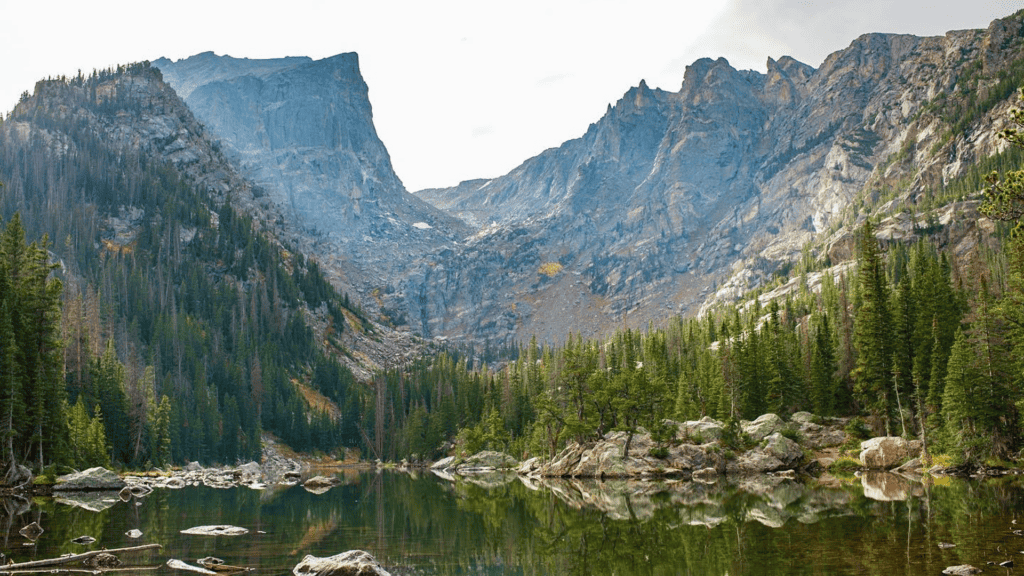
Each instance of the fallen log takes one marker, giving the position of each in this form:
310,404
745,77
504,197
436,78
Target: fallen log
72,558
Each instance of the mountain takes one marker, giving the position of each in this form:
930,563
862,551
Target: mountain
302,131
672,194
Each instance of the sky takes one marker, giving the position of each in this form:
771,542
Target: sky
465,89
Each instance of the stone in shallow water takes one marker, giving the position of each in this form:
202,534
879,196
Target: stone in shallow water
961,570
351,563
216,530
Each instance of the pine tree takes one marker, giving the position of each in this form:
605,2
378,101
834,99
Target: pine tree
872,333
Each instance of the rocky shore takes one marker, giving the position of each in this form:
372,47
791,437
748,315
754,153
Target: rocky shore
707,450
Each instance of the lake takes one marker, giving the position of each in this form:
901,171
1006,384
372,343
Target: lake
422,524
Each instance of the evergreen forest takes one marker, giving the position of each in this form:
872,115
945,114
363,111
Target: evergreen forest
192,337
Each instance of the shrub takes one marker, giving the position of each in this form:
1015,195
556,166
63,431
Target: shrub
856,428
549,269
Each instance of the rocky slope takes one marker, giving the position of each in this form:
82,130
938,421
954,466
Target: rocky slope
303,132
672,193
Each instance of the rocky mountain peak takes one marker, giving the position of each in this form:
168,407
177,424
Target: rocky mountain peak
303,131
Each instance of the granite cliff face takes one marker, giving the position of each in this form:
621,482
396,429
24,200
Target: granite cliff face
671,194
670,202
303,131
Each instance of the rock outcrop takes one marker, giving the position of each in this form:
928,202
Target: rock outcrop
97,478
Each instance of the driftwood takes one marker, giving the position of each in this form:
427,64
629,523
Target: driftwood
20,566
92,571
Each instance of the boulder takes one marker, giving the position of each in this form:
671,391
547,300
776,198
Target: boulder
487,461
802,418
351,563
97,478
755,461
443,463
687,457
785,450
701,431
764,426
319,484
564,462
884,452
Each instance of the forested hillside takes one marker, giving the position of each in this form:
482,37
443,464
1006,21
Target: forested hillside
185,331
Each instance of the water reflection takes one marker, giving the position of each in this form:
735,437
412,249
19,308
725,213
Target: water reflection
507,525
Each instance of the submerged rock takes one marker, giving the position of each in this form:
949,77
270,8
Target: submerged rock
351,563
961,570
103,560
32,531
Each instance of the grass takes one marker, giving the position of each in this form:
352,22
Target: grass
844,465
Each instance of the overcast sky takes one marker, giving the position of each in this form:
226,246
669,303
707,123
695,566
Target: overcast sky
467,89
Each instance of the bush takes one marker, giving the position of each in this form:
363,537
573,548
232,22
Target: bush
659,452
792,434
856,428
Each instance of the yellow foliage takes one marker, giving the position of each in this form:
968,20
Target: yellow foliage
549,269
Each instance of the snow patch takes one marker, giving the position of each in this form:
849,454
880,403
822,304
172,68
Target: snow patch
422,226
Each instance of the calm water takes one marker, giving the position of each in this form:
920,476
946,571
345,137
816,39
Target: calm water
425,525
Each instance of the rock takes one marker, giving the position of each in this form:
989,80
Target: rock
705,475
910,466
486,461
102,560
530,466
32,531
961,570
215,530
319,484
351,563
802,418
753,462
97,478
565,461
701,431
764,426
443,463
785,450
884,452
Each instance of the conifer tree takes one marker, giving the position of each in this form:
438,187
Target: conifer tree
872,333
